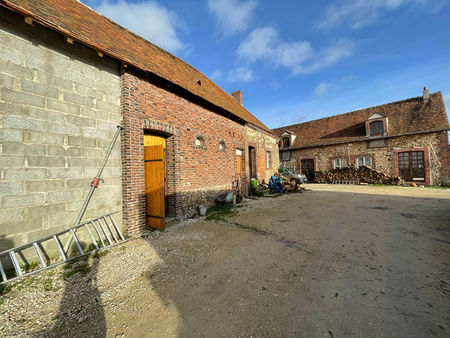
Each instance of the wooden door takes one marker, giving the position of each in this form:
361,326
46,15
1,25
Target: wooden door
154,157
308,169
239,167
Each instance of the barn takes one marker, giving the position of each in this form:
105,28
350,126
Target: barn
68,77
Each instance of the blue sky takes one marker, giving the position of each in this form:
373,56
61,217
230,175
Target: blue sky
298,60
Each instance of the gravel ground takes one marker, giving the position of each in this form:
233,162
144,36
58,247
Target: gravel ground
334,261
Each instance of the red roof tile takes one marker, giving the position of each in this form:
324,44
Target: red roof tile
81,23
408,116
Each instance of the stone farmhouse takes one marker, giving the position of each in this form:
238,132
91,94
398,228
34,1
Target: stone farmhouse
407,138
68,77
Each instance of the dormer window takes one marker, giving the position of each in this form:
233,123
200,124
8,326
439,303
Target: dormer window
376,125
376,128
287,139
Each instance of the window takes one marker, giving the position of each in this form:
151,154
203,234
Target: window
364,161
338,163
199,142
376,128
286,142
268,159
411,165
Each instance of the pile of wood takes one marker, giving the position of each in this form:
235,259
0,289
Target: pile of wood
362,175
290,187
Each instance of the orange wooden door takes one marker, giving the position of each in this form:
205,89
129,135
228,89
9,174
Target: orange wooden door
154,156
239,168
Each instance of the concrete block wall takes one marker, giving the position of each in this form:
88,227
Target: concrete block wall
59,107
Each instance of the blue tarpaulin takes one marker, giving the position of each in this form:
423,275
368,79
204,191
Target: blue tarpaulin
275,185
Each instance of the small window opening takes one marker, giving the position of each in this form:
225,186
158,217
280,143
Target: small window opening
222,146
286,142
199,141
199,82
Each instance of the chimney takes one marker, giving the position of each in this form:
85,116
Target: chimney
426,94
237,95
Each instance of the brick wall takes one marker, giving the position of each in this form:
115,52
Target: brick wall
59,107
194,174
382,158
263,142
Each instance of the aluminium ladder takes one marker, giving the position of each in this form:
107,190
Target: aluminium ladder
103,231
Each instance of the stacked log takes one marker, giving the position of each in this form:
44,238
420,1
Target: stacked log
362,175
289,186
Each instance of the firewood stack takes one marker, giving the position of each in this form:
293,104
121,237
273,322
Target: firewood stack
362,174
290,186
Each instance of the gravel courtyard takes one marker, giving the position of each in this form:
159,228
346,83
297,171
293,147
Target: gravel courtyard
336,261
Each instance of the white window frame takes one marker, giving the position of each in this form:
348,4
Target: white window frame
338,163
366,161
268,159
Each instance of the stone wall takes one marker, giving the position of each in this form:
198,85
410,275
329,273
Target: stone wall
59,107
382,158
195,174
263,142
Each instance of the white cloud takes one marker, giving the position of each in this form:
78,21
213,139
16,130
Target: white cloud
147,19
300,57
357,13
240,74
360,13
217,75
321,88
233,16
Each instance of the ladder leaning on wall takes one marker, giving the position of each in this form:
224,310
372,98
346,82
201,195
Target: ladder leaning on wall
104,233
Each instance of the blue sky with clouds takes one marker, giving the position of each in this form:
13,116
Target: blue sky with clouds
301,60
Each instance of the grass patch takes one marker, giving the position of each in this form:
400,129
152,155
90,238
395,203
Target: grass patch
82,268
48,284
101,254
30,267
92,247
219,212
19,285
67,266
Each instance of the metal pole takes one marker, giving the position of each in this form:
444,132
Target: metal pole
96,181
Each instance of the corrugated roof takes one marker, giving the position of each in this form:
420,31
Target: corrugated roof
408,116
74,19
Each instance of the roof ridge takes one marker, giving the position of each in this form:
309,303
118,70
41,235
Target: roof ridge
357,110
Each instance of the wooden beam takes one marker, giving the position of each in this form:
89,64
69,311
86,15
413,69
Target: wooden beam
29,20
